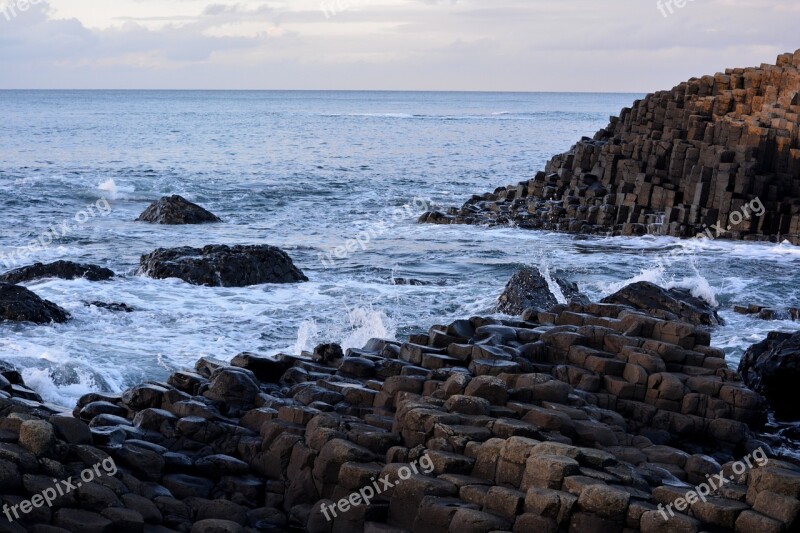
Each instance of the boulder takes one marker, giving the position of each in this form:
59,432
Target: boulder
175,210
672,304
59,269
529,289
222,266
18,304
772,368
328,353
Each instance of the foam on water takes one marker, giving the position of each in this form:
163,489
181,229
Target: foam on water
544,269
114,192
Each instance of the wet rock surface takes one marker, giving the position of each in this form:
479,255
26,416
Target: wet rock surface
677,163
529,289
58,269
18,304
113,307
772,367
175,210
222,266
673,304
582,417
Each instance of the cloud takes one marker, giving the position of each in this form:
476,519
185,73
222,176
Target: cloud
626,45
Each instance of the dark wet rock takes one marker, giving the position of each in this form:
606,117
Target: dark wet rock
18,304
409,281
80,520
233,385
529,289
113,307
175,210
37,436
766,313
673,304
327,353
58,269
222,266
10,373
772,367
266,369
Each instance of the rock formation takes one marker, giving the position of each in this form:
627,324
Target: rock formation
176,210
528,289
713,152
672,304
58,269
584,417
772,367
18,304
222,266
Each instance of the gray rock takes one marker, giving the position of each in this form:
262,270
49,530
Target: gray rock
18,304
672,304
772,368
58,269
176,210
222,266
529,289
37,436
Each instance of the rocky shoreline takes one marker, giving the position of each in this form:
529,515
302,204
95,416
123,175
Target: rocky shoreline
609,416
579,417
717,156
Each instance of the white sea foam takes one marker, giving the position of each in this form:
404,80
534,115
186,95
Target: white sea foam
114,192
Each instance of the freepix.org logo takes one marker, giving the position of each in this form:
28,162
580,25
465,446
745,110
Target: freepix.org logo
13,9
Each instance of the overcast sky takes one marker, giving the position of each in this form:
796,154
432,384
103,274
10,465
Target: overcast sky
495,45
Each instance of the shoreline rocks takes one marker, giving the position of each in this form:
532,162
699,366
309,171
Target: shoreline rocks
528,289
59,269
772,368
717,156
670,304
176,210
222,266
582,417
18,304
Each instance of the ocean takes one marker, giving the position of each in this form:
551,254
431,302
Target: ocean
337,179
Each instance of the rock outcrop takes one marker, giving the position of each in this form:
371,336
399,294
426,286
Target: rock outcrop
718,153
584,417
18,304
772,367
174,210
768,313
222,266
58,269
671,304
528,289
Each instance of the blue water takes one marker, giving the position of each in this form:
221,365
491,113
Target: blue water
308,171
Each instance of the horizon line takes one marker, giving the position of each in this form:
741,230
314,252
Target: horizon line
333,91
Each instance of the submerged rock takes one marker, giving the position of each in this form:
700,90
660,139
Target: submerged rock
672,304
114,307
772,367
222,266
18,304
175,210
529,289
59,269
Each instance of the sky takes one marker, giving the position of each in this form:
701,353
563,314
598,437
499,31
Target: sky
462,45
